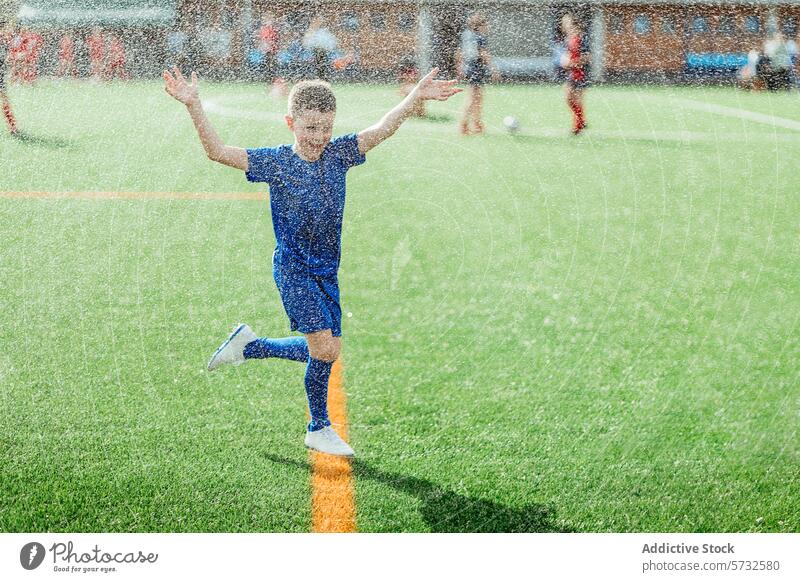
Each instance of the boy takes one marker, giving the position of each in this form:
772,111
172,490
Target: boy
307,192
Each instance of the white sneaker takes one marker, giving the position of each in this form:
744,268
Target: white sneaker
326,440
232,349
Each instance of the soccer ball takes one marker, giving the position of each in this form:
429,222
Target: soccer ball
511,124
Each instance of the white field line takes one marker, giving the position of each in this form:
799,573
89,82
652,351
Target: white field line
770,120
681,136
216,106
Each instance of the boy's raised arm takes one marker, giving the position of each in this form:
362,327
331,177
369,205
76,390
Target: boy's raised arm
427,88
178,87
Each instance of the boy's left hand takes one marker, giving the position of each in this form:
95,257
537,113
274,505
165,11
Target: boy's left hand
181,89
431,88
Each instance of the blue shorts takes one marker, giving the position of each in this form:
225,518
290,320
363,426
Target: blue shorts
311,302
477,73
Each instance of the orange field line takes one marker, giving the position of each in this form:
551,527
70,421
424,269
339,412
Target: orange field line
333,507
139,195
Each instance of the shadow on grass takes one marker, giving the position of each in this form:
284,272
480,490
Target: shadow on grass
447,511
437,118
45,141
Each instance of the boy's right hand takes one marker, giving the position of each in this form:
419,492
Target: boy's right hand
176,85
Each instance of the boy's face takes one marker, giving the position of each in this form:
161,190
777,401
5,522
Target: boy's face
312,131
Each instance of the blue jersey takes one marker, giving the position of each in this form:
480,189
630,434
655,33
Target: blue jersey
307,202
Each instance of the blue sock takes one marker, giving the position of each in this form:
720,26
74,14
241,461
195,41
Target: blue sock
289,348
317,374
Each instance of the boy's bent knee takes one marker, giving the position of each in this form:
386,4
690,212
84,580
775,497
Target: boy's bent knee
327,353
323,346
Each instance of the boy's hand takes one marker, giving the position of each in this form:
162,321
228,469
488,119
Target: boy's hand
427,88
431,88
176,85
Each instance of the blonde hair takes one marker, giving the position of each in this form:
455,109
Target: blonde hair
311,96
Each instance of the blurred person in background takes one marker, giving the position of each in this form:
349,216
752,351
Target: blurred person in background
178,49
476,69
575,61
267,38
296,62
323,45
748,74
95,46
778,62
33,43
6,34
17,49
117,59
791,47
66,56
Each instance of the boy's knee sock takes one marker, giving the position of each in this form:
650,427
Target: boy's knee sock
289,348
317,374
577,113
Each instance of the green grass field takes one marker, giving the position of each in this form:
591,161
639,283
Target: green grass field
545,333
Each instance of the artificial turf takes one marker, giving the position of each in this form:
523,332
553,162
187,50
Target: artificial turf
542,333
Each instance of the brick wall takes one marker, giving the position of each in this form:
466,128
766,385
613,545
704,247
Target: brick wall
644,38
658,38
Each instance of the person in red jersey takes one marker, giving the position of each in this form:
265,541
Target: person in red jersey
116,57
66,56
6,34
17,49
267,39
575,61
30,60
95,44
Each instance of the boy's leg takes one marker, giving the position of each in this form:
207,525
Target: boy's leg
323,350
313,303
288,348
243,345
